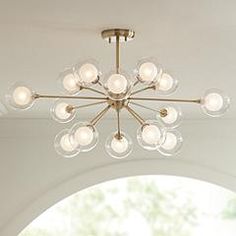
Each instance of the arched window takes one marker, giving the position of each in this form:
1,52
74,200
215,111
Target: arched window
141,206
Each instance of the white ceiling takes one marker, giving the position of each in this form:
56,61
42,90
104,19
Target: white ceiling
193,40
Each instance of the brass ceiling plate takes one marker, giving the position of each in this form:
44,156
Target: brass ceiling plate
110,35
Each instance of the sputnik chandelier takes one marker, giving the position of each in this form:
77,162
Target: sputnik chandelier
119,93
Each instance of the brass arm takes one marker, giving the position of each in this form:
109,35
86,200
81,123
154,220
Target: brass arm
143,106
100,115
94,90
36,96
88,105
136,82
141,90
165,99
135,115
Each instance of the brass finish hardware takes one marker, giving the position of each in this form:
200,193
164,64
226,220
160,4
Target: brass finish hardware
94,90
119,136
100,115
135,115
100,84
165,99
116,104
89,105
135,83
69,109
142,89
36,96
118,124
163,112
143,106
124,34
117,54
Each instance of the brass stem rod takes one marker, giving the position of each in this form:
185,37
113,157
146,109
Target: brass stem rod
99,115
165,99
94,90
117,54
136,82
100,84
135,115
36,96
143,106
89,105
141,90
118,123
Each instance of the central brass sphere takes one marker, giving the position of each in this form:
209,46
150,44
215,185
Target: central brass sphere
117,104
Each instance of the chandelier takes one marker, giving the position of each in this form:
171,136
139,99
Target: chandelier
119,92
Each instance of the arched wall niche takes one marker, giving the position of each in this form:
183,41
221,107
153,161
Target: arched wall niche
113,171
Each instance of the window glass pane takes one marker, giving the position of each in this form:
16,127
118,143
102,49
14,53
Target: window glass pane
141,206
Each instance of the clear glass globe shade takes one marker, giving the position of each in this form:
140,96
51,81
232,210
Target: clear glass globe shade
151,134
65,145
85,136
88,73
119,147
167,84
117,84
172,143
173,117
148,72
62,112
20,96
69,82
215,102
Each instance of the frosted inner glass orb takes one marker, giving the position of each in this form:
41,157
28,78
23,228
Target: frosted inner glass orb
117,83
66,143
166,82
61,112
151,134
84,135
22,96
170,141
213,102
88,73
119,145
70,83
171,117
148,71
